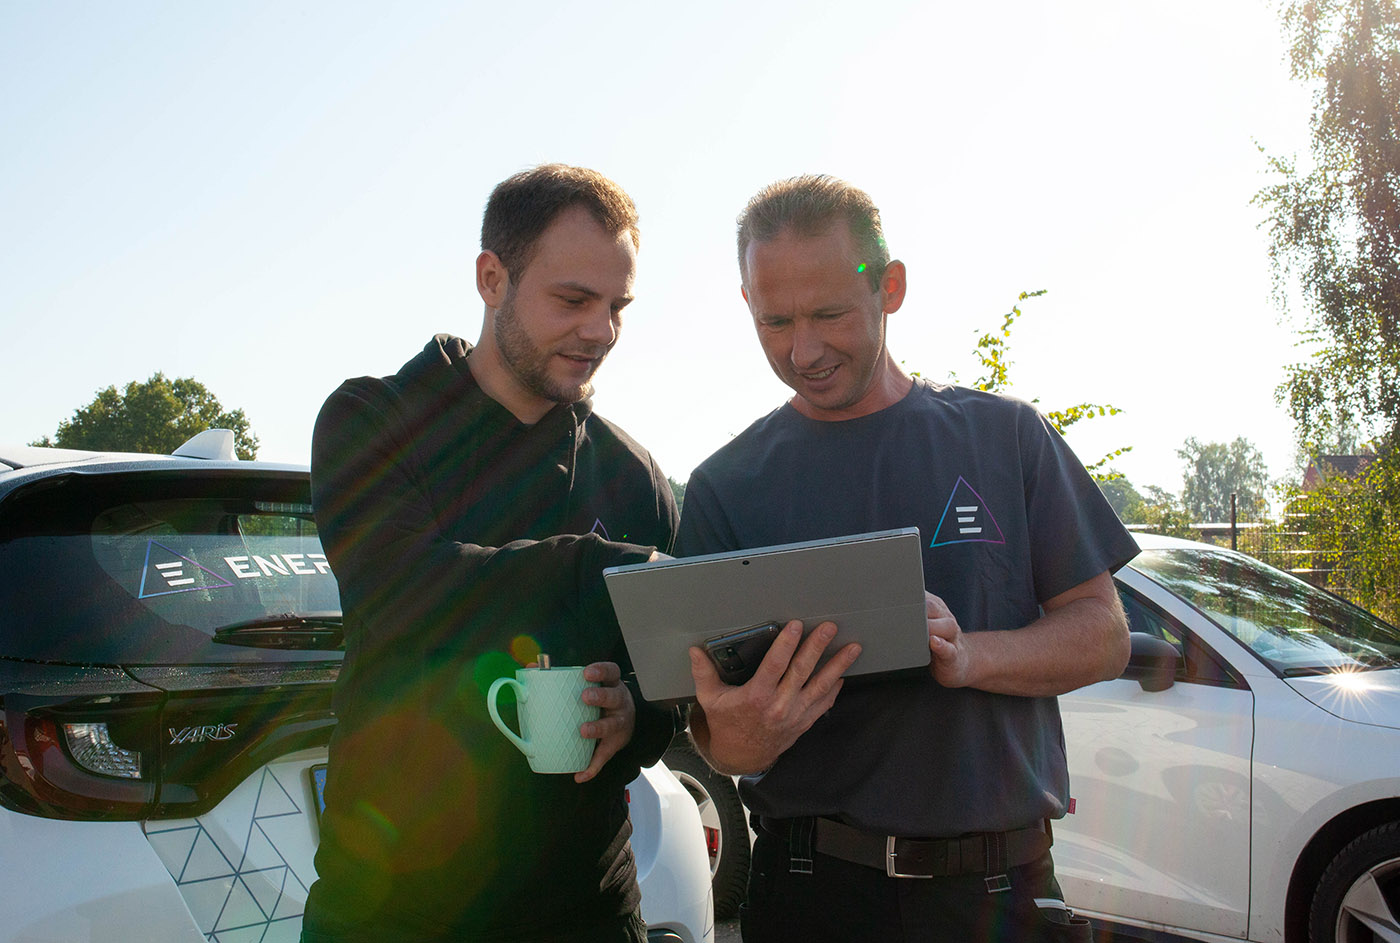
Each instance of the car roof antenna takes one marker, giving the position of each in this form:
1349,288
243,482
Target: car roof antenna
213,444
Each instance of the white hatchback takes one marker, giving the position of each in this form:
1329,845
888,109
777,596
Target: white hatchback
169,636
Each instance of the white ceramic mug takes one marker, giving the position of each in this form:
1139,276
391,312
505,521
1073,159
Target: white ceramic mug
550,707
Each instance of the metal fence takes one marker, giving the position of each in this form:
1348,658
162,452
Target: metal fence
1286,544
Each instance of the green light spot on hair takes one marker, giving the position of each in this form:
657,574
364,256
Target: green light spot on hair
861,267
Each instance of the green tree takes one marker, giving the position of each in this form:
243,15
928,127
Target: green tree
1353,530
1155,509
1214,470
1125,500
1163,514
992,348
1334,224
155,416
677,491
1334,228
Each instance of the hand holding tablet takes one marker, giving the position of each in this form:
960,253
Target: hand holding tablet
870,586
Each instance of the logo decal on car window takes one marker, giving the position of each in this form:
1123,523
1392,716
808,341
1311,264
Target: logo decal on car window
166,572
286,564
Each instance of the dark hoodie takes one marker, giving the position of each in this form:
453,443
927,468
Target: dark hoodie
460,536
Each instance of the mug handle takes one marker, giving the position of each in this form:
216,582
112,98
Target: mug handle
522,745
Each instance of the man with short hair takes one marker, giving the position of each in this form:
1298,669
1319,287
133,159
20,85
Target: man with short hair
468,505
899,809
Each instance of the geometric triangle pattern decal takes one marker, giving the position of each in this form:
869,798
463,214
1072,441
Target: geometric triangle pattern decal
244,867
166,572
966,519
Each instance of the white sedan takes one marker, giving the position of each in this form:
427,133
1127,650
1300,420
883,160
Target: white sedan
1242,780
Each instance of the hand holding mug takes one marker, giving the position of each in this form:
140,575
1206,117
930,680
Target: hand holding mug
614,728
572,720
551,711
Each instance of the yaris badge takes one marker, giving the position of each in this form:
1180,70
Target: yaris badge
201,734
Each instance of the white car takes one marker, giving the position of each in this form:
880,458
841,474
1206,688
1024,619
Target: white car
1240,781
169,635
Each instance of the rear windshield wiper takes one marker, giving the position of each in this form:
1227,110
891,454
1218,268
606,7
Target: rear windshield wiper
292,630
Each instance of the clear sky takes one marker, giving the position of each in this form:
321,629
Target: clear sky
273,196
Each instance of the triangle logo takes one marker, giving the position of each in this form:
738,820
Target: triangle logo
966,519
166,572
600,528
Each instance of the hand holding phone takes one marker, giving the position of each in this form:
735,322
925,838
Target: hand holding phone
737,654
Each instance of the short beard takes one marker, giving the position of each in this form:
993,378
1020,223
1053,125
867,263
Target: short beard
530,364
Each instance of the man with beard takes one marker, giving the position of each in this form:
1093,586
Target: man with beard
468,506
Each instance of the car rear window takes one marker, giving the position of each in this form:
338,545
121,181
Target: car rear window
144,568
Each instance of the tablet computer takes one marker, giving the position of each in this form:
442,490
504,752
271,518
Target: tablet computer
870,585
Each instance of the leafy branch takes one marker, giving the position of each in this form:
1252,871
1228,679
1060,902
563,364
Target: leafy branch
992,350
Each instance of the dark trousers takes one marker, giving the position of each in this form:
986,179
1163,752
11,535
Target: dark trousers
840,902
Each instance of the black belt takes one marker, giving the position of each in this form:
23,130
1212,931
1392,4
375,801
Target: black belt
980,852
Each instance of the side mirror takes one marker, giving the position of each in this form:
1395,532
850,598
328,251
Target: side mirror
1153,662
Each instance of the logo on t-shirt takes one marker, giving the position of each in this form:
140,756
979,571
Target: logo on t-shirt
600,529
966,519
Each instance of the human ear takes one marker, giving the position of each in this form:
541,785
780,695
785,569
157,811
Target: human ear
893,285
492,279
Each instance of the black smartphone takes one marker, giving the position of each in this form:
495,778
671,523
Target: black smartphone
737,654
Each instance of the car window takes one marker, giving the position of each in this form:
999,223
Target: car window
1199,664
135,569
209,562
1289,624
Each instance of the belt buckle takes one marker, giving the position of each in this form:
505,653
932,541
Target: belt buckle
890,856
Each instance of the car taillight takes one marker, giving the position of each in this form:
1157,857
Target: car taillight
91,747
41,776
72,742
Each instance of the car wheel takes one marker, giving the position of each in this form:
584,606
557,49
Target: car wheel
1358,898
726,829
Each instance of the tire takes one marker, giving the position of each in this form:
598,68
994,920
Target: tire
725,823
1358,898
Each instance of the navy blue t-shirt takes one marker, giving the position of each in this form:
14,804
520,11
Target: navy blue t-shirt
1009,519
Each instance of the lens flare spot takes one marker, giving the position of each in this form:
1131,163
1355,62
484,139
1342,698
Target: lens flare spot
524,649
1353,682
377,821
491,666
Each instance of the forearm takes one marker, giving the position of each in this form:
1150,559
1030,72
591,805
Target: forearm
655,729
415,588
1082,642
447,595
